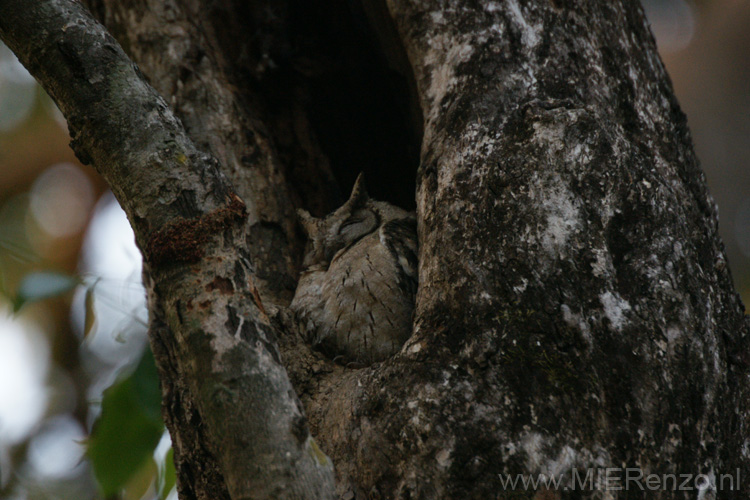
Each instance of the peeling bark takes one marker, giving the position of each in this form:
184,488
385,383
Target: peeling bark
575,307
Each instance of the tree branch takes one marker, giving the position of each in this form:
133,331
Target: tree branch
210,333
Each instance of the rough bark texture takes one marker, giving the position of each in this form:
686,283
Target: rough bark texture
600,327
229,401
575,308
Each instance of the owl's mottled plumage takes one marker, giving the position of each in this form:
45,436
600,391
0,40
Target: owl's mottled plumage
355,296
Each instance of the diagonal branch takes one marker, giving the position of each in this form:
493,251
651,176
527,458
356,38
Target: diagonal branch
216,350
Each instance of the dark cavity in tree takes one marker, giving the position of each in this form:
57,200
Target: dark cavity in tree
341,67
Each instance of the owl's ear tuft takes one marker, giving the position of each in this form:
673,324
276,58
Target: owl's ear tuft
359,194
309,223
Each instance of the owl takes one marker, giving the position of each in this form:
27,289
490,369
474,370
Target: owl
355,296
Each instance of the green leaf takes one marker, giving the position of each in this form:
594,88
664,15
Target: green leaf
128,429
167,476
146,385
42,285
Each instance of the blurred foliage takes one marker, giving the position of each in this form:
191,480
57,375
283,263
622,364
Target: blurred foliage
129,427
167,477
95,381
42,285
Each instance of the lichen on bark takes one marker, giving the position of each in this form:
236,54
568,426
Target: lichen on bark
575,308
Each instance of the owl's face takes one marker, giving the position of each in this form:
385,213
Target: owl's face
355,219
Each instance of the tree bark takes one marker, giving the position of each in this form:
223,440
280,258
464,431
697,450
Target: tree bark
599,327
575,308
237,426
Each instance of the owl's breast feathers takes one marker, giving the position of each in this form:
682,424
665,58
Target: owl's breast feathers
361,307
355,298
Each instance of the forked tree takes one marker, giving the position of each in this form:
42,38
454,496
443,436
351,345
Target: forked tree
575,309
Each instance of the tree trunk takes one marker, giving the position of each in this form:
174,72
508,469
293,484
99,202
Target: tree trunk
575,309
